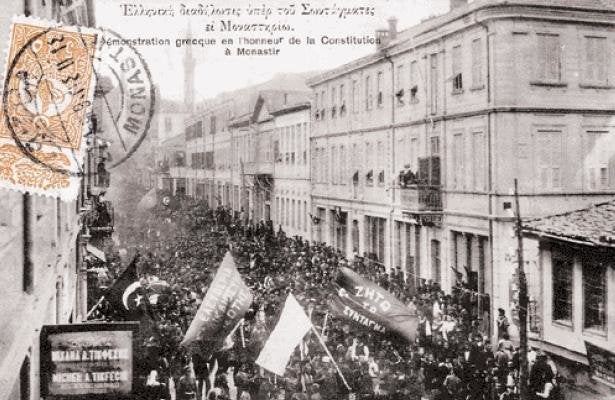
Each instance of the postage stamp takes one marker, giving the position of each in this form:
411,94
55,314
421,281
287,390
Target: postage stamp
48,92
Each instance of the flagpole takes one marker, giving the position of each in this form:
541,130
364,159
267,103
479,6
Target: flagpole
324,324
322,343
95,306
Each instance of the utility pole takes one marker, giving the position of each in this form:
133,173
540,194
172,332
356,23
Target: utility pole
523,303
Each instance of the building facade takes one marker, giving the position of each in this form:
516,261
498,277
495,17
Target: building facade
42,246
416,147
291,174
572,290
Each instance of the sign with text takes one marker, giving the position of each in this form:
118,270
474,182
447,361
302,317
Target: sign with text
87,359
601,364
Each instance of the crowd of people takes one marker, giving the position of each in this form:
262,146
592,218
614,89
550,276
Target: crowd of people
451,358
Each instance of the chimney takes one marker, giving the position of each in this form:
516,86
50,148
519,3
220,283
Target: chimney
455,4
392,28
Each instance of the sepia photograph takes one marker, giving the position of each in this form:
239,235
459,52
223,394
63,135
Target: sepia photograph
307,200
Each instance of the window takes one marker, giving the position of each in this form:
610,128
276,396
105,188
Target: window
458,161
436,269
478,161
333,103
414,83
595,60
380,162
325,158
334,161
597,157
355,96
369,176
399,85
379,89
368,93
306,142
433,79
457,68
342,100
343,166
561,266
276,151
594,294
168,124
549,147
293,140
199,129
323,105
435,145
549,60
316,107
477,63
212,126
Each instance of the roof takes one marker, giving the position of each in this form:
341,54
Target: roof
594,226
291,107
430,24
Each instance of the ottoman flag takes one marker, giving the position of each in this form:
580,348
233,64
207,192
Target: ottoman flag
226,302
371,307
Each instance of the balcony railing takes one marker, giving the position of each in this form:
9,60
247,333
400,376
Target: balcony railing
416,198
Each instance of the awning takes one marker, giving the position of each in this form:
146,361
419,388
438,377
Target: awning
96,252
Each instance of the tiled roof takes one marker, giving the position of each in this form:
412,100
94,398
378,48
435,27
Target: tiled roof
594,225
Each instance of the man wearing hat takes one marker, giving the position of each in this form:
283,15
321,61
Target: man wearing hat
503,323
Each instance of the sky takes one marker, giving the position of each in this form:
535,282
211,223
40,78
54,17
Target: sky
216,72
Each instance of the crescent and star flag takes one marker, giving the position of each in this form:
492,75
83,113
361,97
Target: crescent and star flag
371,307
226,302
123,287
289,331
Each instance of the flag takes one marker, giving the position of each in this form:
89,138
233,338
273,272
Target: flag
372,307
117,295
289,331
225,303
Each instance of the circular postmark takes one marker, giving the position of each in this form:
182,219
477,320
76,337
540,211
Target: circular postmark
47,99
125,96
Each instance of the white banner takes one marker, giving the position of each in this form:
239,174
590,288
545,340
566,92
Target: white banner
291,328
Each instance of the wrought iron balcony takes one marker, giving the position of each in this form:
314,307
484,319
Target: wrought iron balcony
421,197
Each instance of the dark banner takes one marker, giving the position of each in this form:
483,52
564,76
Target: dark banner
226,302
87,359
370,306
601,364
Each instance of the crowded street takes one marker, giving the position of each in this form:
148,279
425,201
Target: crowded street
316,200
451,358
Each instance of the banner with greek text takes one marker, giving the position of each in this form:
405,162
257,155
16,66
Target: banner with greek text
371,307
226,302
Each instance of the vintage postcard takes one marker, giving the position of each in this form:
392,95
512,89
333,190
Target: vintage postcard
307,200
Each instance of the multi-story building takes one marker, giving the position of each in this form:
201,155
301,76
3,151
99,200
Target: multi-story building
44,280
291,170
415,148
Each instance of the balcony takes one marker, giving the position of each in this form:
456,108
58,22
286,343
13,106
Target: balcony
99,217
258,168
421,198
